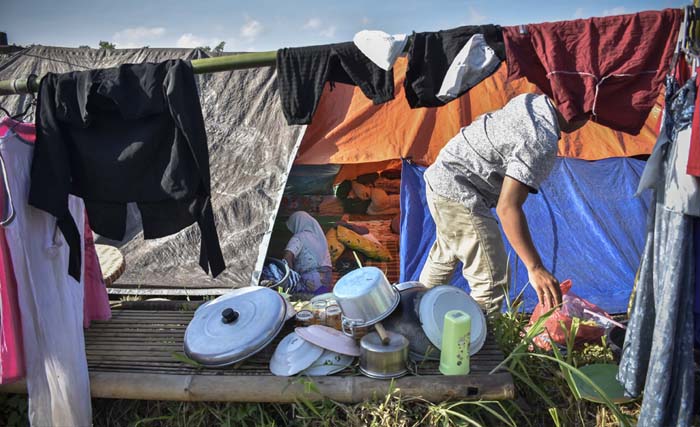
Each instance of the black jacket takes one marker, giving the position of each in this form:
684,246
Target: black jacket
128,134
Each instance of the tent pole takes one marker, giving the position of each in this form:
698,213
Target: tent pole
200,66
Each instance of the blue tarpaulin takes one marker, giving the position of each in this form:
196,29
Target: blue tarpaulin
585,222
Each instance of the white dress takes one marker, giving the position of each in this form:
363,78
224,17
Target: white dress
50,300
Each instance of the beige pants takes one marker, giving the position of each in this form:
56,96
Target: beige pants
474,240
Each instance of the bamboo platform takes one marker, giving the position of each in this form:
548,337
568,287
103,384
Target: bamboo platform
135,355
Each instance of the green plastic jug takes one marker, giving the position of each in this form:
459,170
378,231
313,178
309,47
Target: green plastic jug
454,356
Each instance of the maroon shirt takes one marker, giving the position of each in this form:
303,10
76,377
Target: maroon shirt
609,69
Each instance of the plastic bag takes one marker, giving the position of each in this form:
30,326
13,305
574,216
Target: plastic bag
593,320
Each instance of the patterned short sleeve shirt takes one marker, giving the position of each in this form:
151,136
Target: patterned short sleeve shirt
520,141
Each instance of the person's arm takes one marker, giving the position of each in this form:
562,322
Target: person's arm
289,257
510,212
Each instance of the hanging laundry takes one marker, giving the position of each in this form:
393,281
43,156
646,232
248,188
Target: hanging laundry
50,300
472,64
694,151
12,367
128,134
696,302
381,48
445,63
668,161
96,305
610,69
657,357
303,71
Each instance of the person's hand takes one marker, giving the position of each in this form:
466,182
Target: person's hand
546,286
294,280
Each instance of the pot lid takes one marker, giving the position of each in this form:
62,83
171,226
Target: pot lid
329,363
404,320
234,326
329,339
292,355
435,303
373,343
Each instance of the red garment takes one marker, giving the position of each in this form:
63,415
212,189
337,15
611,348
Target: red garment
694,153
609,69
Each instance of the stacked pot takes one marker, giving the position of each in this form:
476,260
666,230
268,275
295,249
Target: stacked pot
391,323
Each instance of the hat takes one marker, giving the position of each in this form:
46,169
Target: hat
380,47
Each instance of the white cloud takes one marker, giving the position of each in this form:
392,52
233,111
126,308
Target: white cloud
328,32
189,40
579,13
475,17
137,36
251,29
619,10
312,24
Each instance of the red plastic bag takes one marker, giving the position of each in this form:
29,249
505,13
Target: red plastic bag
593,320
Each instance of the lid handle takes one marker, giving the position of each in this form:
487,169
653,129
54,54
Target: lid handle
229,315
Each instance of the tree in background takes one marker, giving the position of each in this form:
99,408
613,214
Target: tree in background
83,46
217,49
106,45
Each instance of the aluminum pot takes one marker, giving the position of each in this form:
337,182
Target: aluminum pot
365,296
383,361
404,320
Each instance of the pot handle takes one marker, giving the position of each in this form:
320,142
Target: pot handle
349,324
383,335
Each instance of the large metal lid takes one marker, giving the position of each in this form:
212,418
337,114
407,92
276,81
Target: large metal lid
235,326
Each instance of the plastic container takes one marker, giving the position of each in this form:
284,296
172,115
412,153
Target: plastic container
454,357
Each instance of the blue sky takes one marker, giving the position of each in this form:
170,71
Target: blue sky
268,25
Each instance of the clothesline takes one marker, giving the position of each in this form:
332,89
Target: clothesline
239,61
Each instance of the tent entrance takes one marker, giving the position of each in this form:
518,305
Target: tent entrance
331,193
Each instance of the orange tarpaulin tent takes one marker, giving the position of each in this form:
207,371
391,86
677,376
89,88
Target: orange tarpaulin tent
348,129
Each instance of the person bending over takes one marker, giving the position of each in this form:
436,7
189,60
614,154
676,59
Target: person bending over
496,161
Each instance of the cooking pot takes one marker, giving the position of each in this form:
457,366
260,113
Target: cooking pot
383,360
404,320
366,297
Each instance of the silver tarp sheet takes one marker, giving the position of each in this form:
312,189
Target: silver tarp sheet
251,149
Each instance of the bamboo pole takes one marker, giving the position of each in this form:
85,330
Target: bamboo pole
259,388
200,66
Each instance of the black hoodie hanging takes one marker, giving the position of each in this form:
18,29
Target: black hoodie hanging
129,134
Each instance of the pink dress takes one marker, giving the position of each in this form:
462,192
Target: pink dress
11,347
96,305
12,366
